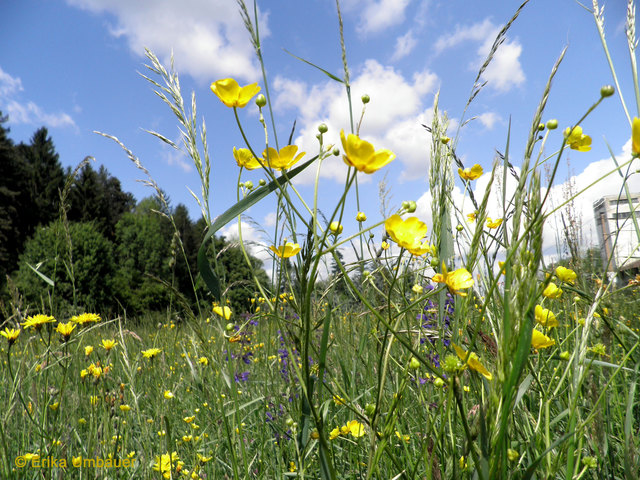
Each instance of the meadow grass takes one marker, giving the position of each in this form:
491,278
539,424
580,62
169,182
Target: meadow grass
460,355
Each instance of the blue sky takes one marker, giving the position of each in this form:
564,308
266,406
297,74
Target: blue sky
73,65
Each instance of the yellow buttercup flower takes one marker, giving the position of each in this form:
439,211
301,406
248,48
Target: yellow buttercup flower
335,433
385,245
552,291
11,334
540,340
88,350
635,136
493,223
472,173
356,429
408,233
457,280
65,329
566,275
166,463
168,395
284,159
232,94
361,217
472,361
361,155
545,317
124,408
471,217
287,250
577,140
151,352
224,312
244,158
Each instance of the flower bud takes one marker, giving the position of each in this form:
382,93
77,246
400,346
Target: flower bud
361,217
435,263
412,207
336,151
229,327
261,100
322,128
365,99
459,227
262,182
289,422
541,126
248,184
607,91
552,124
438,382
369,408
405,204
414,363
444,140
336,228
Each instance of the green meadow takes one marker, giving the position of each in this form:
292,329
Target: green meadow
453,350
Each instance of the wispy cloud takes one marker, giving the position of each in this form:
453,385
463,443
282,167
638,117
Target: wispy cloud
376,16
404,45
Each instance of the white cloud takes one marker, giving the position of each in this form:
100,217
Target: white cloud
207,37
393,118
270,219
489,119
404,45
8,84
505,71
30,113
377,15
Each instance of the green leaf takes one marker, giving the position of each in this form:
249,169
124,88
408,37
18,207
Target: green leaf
330,75
41,275
207,273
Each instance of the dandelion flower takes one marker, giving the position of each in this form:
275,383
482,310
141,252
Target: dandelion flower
545,317
287,250
472,361
65,329
232,94
361,155
36,321
472,173
150,353
86,318
540,340
108,344
10,334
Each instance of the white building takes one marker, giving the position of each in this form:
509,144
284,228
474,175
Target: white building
617,233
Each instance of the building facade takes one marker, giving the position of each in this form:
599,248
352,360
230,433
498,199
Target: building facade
617,233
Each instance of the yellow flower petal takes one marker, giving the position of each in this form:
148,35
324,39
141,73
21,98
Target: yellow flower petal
540,340
472,173
231,94
285,251
361,155
244,158
545,317
284,159
635,136
566,275
472,360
